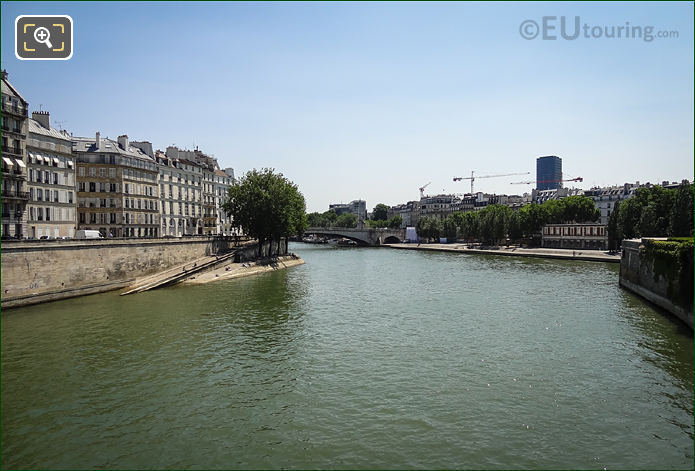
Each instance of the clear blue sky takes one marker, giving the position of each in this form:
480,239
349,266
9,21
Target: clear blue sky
372,100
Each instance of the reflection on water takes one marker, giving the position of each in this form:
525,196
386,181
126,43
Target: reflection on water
361,358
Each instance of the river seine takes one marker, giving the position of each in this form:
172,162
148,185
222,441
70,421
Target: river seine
361,358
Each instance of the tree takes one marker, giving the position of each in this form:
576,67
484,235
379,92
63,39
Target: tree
681,223
267,206
429,227
649,221
470,225
578,209
346,220
380,212
450,228
395,222
614,234
494,223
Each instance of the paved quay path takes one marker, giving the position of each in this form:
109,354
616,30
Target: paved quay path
566,254
238,270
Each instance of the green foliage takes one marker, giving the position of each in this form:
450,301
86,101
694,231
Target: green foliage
395,222
347,220
681,223
653,212
326,219
450,228
672,260
429,227
380,212
266,205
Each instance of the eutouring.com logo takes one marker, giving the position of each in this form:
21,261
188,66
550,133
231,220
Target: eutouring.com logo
552,28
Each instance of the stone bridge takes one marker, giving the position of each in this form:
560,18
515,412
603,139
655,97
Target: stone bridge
363,236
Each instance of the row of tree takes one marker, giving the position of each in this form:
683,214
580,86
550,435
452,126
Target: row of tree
653,212
331,219
495,222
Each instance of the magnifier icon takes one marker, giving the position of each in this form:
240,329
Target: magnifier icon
43,36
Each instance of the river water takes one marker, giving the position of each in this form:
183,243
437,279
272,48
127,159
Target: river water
361,358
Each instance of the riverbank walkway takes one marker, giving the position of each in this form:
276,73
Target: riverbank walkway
513,251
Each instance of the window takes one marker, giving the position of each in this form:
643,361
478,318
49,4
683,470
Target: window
126,188
112,218
112,173
82,219
55,178
92,172
47,177
102,187
48,214
92,218
81,186
55,196
102,202
39,214
92,187
127,203
39,194
80,171
102,172
69,196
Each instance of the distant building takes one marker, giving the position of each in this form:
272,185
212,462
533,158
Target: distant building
575,236
407,212
439,206
541,196
52,206
117,190
548,172
356,207
15,194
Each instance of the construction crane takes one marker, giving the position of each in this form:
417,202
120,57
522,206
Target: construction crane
422,189
578,179
473,177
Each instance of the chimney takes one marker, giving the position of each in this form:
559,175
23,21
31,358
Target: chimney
123,142
43,118
98,140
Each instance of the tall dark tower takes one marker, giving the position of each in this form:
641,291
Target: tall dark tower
548,172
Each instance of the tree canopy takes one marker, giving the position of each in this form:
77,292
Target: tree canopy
380,212
653,212
266,205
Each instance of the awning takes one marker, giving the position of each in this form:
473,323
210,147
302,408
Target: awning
8,161
70,164
20,163
55,160
39,159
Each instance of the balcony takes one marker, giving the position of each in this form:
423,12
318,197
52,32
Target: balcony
21,195
15,110
15,151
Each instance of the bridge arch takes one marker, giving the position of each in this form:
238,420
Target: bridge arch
392,240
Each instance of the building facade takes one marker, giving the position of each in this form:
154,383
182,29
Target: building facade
356,207
52,208
575,236
181,196
548,172
117,190
15,193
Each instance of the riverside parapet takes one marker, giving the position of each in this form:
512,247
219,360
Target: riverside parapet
660,271
40,271
562,254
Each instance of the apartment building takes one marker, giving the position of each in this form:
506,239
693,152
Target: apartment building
51,209
180,191
15,194
212,184
223,180
117,188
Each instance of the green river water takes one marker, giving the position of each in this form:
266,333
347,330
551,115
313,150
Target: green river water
361,358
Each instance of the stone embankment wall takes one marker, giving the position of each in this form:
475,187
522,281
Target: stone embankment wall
40,271
669,289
